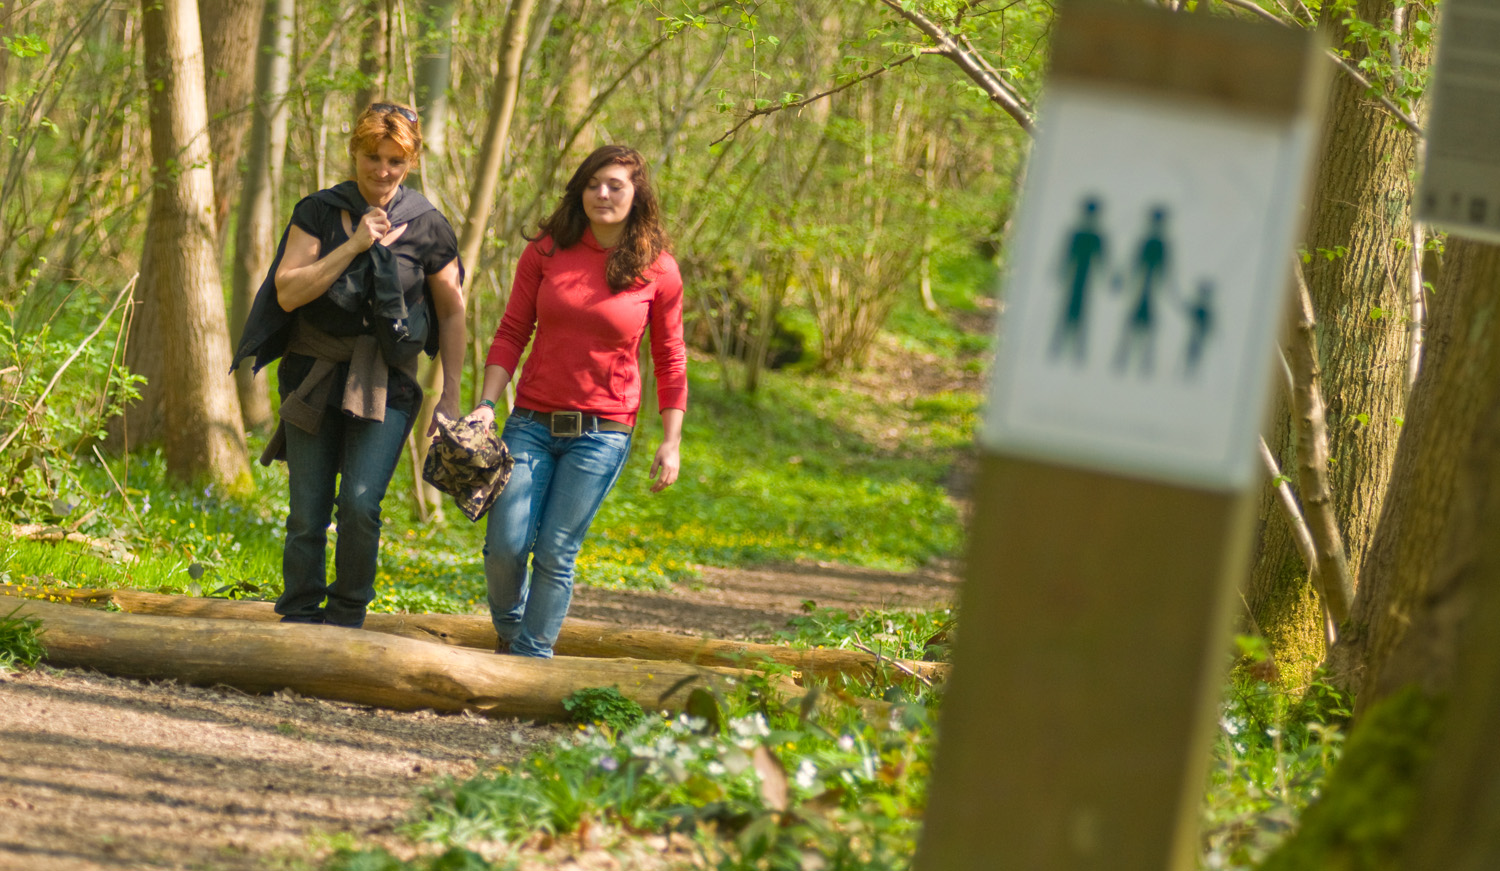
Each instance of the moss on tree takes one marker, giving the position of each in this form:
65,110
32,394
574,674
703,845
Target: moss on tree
1359,822
1290,618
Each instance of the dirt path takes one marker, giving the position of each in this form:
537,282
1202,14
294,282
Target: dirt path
104,774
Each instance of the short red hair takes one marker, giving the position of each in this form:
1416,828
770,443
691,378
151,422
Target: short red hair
382,120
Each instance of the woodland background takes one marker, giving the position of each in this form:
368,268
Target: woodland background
825,167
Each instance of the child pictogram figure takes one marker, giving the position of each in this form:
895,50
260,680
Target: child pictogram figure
1148,277
1085,251
1200,315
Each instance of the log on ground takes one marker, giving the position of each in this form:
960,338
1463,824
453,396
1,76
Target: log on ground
348,665
582,638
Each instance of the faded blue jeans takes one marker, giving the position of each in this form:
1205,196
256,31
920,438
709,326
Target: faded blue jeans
542,516
362,454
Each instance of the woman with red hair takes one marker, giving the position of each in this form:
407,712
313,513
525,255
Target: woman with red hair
366,277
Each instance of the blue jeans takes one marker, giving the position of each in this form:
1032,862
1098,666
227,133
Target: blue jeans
543,513
362,455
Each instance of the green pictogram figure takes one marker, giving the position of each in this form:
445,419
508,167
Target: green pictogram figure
1148,278
1200,314
1085,251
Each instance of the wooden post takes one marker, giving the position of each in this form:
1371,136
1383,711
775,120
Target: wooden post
1112,518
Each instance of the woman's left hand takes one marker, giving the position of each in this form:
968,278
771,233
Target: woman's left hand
447,408
668,457
665,467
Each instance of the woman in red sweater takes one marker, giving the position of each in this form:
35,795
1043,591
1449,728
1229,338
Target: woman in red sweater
595,278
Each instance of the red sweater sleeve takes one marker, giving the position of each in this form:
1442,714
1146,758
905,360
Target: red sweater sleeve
668,352
519,321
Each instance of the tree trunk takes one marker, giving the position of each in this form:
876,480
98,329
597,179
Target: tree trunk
229,28
433,72
1456,824
255,229
1356,273
589,638
1430,785
203,434
374,54
1461,365
503,98
365,668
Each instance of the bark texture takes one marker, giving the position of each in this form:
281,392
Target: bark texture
366,668
255,229
1456,825
229,29
585,638
374,54
1460,368
362,667
180,285
1357,274
434,68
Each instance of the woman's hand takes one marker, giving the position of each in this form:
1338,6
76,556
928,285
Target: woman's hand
373,225
482,413
665,466
668,461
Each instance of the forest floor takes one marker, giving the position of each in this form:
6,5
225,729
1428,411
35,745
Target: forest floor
104,774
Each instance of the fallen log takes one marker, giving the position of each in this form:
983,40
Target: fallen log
351,665
583,638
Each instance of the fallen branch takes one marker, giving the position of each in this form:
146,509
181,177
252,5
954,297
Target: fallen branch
351,665
38,532
581,638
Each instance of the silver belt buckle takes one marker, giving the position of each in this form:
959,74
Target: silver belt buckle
567,424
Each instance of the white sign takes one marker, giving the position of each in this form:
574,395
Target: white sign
1461,178
1146,286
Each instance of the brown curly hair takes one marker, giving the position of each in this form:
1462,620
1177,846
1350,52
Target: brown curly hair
644,239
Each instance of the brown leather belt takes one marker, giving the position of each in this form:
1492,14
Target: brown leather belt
570,424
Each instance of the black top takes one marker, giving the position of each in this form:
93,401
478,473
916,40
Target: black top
426,246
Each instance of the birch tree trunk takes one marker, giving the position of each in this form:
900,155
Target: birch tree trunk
433,73
503,98
179,271
1360,214
255,229
229,29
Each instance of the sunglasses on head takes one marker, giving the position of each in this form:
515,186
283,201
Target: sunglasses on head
392,107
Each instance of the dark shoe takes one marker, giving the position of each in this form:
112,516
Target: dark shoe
502,646
302,618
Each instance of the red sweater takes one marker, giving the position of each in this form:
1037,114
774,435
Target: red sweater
588,339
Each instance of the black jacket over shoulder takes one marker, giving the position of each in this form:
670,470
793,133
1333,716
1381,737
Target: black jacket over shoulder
367,298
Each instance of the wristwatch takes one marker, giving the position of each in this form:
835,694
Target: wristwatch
488,403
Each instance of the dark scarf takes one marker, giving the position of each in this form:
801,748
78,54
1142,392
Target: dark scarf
370,279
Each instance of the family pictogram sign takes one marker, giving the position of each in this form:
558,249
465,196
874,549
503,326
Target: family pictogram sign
1460,188
1146,281
1150,298
1114,498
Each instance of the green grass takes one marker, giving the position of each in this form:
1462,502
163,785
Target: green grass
793,472
20,642
756,784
